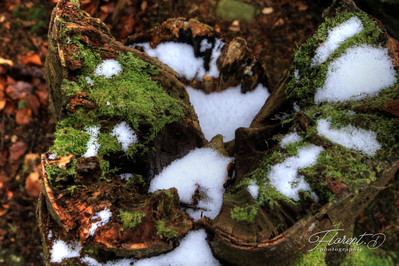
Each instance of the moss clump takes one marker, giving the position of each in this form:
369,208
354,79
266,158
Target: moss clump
164,230
312,78
246,213
69,140
368,257
130,219
108,144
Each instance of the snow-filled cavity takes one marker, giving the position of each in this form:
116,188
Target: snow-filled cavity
181,57
108,68
125,135
92,145
253,189
284,176
290,138
335,37
104,216
364,141
61,250
361,72
203,170
224,112
193,250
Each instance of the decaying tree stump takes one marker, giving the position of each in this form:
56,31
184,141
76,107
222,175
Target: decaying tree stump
270,228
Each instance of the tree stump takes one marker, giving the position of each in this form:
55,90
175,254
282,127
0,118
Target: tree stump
151,99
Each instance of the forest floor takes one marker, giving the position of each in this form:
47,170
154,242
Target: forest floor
273,29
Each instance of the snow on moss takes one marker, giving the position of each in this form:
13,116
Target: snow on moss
92,145
284,176
108,68
253,189
89,81
224,112
61,250
193,250
335,37
364,141
289,139
125,135
202,170
126,176
104,216
181,57
362,71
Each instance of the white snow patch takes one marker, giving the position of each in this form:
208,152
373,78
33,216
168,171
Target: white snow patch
61,250
284,176
52,156
224,112
364,141
108,103
253,189
361,72
50,234
203,167
104,216
289,139
89,81
125,176
181,57
296,107
205,45
297,76
335,37
108,68
125,135
92,145
193,250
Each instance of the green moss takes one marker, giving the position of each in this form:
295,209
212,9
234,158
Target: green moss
233,9
131,219
56,174
164,230
364,256
314,77
108,144
246,213
69,140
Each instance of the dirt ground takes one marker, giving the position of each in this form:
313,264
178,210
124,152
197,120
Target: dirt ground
26,126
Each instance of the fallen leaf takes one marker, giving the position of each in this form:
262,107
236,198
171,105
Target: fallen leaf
3,100
6,62
33,59
32,184
17,150
42,93
31,161
267,10
23,116
18,90
33,103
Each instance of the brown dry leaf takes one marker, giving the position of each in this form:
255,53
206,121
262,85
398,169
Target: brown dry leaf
23,116
33,103
9,109
18,90
42,93
32,184
3,211
127,28
267,10
6,61
301,6
17,150
2,100
31,161
33,59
